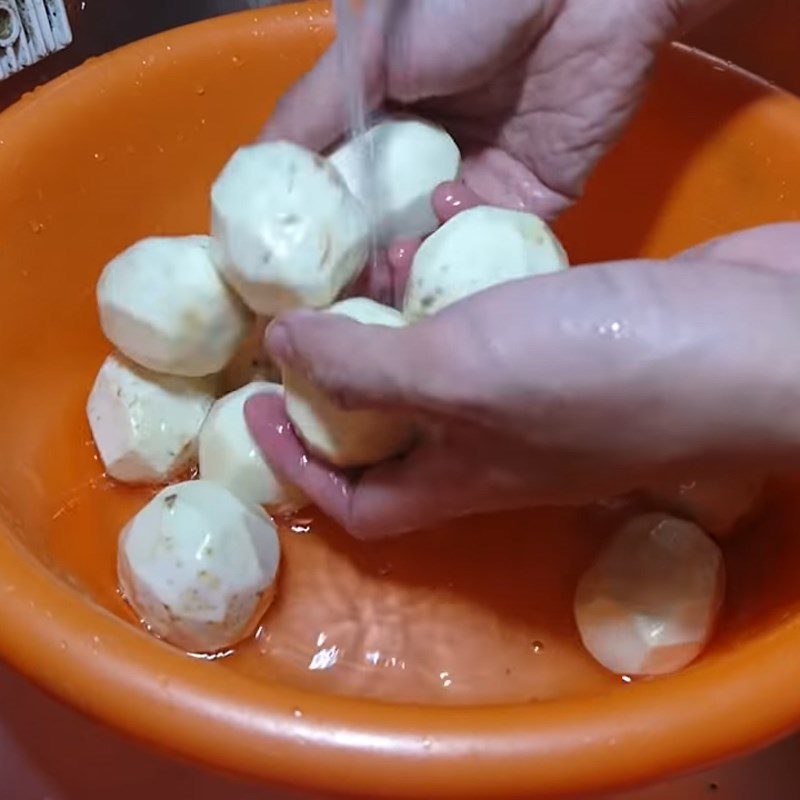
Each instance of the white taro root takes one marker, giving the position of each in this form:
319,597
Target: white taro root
198,566
715,504
163,304
648,604
347,438
393,169
476,249
145,424
287,231
229,455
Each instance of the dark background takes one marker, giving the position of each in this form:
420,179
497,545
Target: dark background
761,35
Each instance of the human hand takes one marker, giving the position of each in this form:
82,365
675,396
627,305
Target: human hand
562,388
533,91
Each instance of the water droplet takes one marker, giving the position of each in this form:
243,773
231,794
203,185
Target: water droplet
427,743
297,713
302,526
236,61
537,647
36,226
324,659
99,157
627,679
200,90
62,645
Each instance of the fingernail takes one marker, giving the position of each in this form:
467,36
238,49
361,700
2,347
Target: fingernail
279,342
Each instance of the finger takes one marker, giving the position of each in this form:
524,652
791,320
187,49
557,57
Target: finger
389,499
272,430
453,471
401,256
316,112
504,181
397,497
492,177
452,197
773,246
363,365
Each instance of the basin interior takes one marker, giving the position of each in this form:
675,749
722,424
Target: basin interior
475,612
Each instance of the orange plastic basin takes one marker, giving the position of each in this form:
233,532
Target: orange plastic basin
459,672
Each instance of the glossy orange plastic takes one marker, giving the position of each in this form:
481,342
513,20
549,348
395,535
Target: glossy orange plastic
127,146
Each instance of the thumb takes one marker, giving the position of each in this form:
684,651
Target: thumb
362,365
773,246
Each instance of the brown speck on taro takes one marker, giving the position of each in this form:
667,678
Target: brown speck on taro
169,500
427,301
327,246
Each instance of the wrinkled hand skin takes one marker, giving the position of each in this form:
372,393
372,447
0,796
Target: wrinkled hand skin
561,389
557,389
534,91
